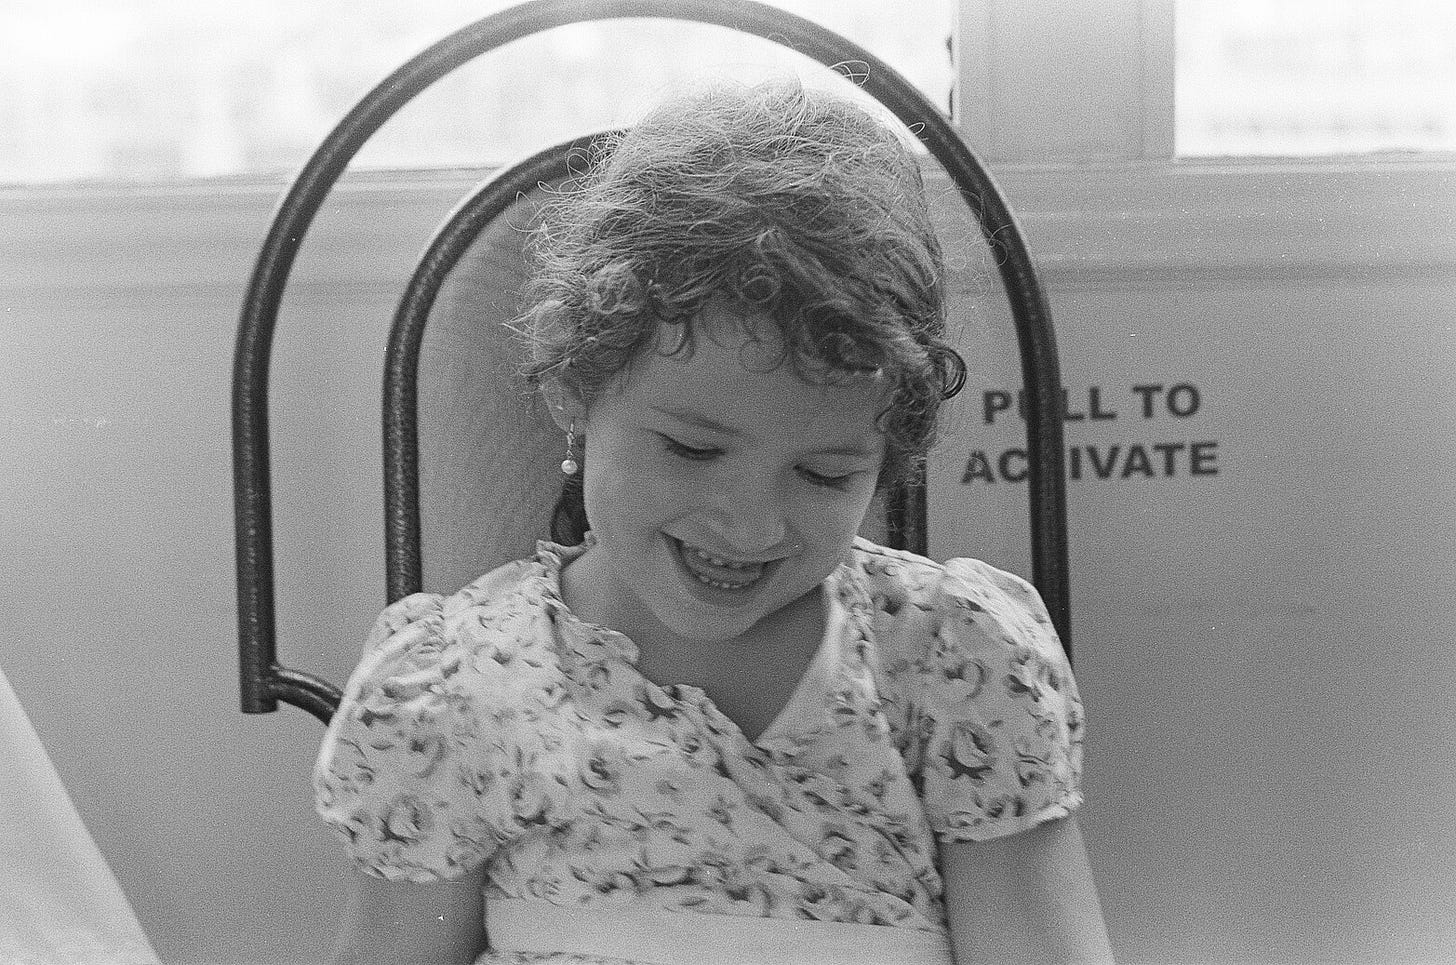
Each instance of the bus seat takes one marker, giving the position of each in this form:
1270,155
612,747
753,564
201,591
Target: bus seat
465,493
478,422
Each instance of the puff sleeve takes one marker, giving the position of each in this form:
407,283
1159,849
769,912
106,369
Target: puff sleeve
401,775
995,712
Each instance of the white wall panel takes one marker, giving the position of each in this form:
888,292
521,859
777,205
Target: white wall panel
1264,649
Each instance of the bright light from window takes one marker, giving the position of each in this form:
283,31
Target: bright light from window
160,89
1306,77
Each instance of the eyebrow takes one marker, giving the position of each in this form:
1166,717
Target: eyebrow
704,422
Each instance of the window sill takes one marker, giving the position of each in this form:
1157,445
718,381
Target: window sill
1133,224
1185,222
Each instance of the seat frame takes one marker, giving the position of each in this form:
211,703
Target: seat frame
263,681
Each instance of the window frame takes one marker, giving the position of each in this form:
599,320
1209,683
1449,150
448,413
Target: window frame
1086,155
1120,211
1103,74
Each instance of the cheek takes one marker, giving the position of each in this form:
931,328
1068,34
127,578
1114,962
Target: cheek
633,483
827,517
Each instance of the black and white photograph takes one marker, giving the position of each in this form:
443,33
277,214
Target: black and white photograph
727,482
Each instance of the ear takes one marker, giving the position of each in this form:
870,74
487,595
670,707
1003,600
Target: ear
565,408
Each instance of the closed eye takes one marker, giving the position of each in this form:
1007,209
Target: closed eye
687,452
702,455
828,482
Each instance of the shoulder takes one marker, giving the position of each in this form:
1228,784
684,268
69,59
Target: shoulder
426,643
990,715
916,598
410,768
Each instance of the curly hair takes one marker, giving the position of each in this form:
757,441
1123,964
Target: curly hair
775,199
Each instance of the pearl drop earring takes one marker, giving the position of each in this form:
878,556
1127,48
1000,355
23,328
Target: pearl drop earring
569,465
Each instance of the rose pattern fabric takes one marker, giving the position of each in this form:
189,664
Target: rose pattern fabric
494,726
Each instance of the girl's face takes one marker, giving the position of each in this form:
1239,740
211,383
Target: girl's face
720,488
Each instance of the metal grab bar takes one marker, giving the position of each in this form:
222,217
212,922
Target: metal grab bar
263,681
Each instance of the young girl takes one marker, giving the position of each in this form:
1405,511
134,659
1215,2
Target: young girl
711,724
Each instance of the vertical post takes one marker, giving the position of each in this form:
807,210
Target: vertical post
1065,80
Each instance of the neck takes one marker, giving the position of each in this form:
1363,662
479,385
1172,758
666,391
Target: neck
584,585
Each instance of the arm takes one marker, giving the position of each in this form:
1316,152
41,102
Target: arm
402,923
1024,898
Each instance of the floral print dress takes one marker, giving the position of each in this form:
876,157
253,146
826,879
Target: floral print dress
494,726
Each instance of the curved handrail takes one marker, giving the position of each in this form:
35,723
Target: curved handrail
252,487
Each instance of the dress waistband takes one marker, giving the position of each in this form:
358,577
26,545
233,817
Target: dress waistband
640,931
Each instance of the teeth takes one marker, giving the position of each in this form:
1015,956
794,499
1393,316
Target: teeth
720,563
721,586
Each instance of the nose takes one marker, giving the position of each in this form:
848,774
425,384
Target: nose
746,518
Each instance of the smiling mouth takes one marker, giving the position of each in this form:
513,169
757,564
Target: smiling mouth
717,572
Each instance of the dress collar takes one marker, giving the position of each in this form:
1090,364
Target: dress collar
591,641
835,683
844,592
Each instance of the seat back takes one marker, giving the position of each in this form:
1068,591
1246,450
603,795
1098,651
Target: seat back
467,532
490,471
488,466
